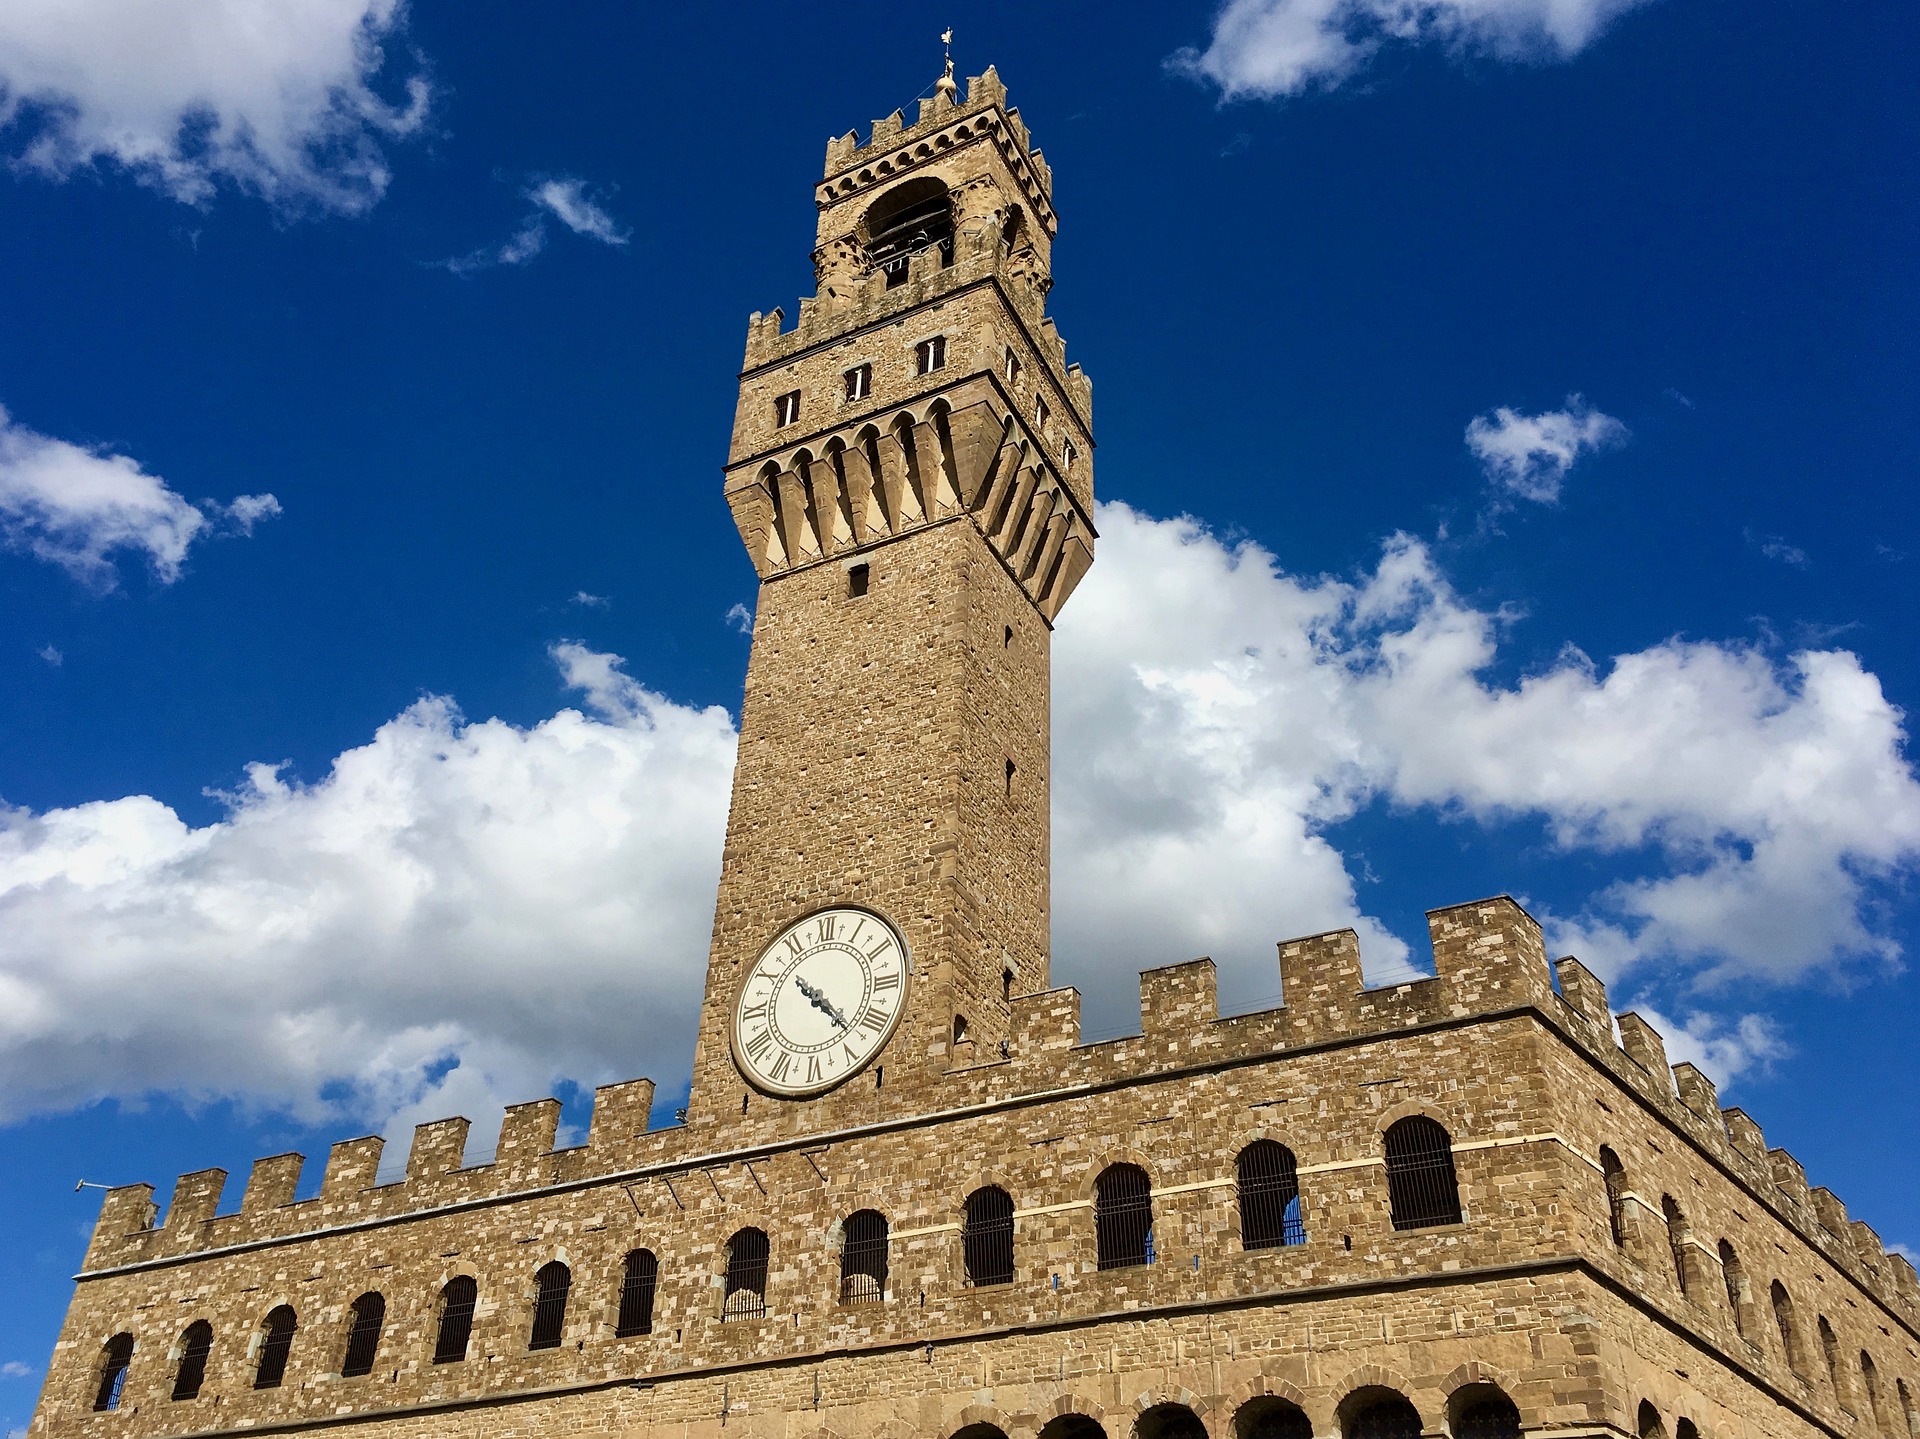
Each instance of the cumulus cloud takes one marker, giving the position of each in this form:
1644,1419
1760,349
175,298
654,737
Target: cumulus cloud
282,100
1722,1048
460,913
1226,716
456,911
1268,49
1530,455
565,200
14,1369
77,507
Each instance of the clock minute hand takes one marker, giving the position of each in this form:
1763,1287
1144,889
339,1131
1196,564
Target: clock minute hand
820,1002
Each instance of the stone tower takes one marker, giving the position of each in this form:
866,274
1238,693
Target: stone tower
911,472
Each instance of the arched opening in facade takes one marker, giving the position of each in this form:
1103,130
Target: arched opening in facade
276,1346
1909,1417
1072,1426
986,1239
1483,1411
1378,1414
195,1345
1615,1174
863,1258
1870,1381
1271,1417
1676,1238
1169,1421
746,1285
456,1319
1733,1275
1830,1353
551,1285
980,1431
116,1356
363,1335
909,218
1123,1216
1648,1422
638,1280
1783,1321
1422,1188
1267,1184
1686,1429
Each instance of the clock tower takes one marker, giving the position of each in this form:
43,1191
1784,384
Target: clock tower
911,472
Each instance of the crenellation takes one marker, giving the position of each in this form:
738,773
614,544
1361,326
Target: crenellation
1490,955
125,1211
1697,1093
1043,1025
273,1183
527,1133
352,1165
1584,993
1747,1138
196,1199
620,1114
1319,975
1791,1182
1179,1003
439,1147
1831,1213
1644,1046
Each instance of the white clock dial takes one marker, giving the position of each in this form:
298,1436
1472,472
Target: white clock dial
821,1001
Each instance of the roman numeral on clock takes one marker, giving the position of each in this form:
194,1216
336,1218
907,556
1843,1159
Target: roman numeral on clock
778,1070
759,1043
827,926
883,982
873,1019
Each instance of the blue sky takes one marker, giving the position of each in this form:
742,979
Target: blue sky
1506,426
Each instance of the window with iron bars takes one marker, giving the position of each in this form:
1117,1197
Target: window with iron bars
1491,1418
195,1345
637,1284
986,1242
115,1358
863,1258
275,1346
1422,1187
1615,1174
1391,1418
1123,1216
551,1286
859,382
363,1339
930,355
456,1320
1676,1238
1268,1185
786,409
746,1291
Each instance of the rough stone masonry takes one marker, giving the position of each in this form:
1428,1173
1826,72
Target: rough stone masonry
1459,1206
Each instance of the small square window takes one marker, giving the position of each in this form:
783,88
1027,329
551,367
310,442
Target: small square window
931,355
786,409
857,577
859,382
1013,366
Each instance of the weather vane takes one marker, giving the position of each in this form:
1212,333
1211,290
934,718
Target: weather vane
946,86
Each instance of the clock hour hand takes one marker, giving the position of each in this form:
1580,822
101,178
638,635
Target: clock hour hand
820,1002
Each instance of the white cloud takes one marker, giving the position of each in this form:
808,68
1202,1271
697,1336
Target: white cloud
589,602
1267,49
564,199
1776,548
457,910
740,618
462,913
567,200
1530,455
1224,716
77,507
51,655
14,1369
1723,1049
277,99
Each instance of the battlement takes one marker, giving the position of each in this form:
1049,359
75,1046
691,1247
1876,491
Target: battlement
1490,966
986,98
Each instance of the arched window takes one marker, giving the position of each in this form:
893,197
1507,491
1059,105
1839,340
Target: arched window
1616,1176
1421,1185
195,1345
1389,1417
1123,1216
1650,1424
456,1319
1870,1381
637,1283
1830,1351
1734,1275
551,1285
275,1345
986,1241
1907,1414
863,1258
115,1355
1268,1186
1676,1238
1783,1321
907,219
1169,1421
1485,1413
746,1292
363,1335
1270,1417
1686,1429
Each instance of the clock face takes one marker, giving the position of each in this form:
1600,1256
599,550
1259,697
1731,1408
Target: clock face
821,1001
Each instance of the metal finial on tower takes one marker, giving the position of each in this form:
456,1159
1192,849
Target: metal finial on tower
946,85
